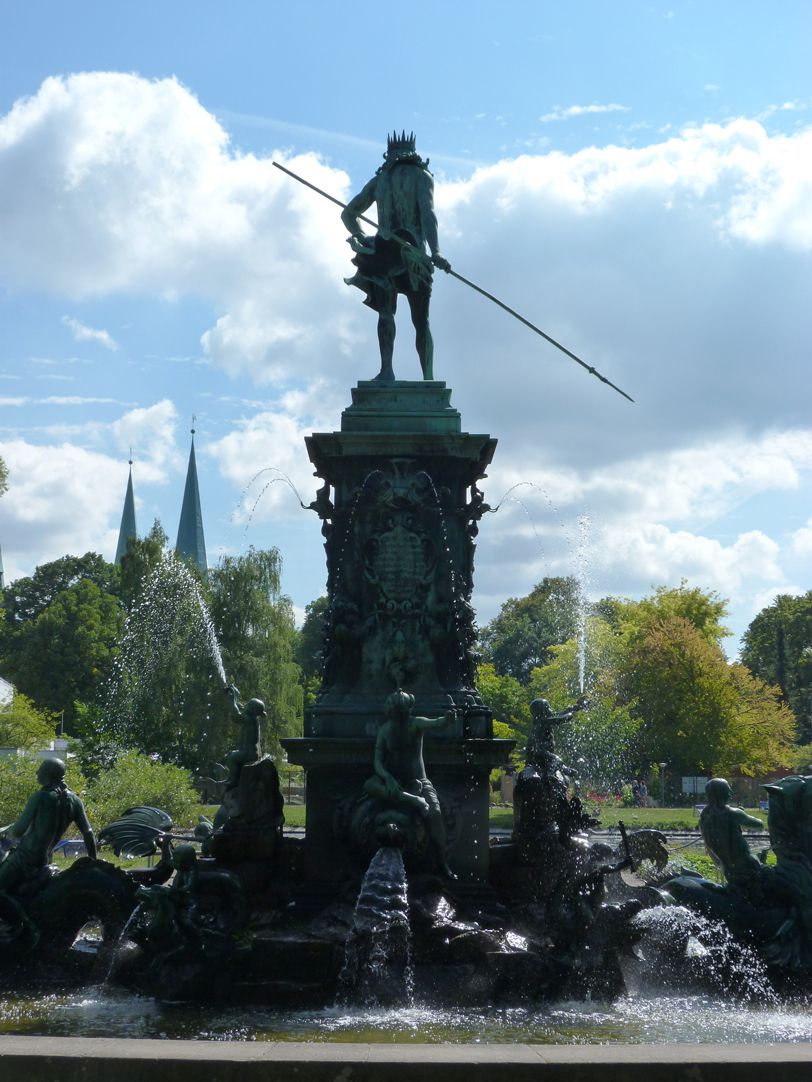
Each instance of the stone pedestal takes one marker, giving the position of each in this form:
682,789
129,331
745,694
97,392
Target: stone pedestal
400,509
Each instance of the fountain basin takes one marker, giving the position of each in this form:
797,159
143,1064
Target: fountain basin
28,1059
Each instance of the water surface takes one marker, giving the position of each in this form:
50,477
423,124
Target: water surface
632,1019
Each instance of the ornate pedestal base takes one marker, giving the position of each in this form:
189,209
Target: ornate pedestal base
400,509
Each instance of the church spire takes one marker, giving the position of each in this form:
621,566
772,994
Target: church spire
127,529
191,544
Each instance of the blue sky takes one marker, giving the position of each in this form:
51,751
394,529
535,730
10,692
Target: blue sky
636,178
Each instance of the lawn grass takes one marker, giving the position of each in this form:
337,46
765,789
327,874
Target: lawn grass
501,816
294,815
667,819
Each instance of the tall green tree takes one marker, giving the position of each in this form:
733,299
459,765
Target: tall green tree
257,634
309,646
509,701
703,609
67,651
140,562
521,637
777,647
3,477
700,714
25,598
311,638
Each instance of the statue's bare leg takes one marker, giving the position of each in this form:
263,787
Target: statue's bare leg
419,305
438,836
386,342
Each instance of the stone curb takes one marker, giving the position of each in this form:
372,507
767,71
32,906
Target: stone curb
78,1059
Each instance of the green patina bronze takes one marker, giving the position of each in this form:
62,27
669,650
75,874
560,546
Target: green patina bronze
400,508
721,825
540,750
400,782
769,905
394,261
44,820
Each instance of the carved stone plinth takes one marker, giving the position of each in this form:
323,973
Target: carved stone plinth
400,509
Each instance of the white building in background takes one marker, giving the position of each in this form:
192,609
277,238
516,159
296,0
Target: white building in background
6,694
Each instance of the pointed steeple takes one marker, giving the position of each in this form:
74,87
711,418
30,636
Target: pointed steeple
127,528
191,543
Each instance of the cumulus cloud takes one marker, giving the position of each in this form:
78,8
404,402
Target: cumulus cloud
83,333
114,183
62,499
67,496
264,455
802,540
649,521
681,269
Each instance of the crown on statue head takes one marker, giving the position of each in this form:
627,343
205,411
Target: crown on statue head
400,144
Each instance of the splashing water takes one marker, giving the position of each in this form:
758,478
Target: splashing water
683,947
170,617
377,965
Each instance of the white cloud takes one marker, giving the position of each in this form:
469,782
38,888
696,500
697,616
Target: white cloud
61,400
83,333
802,540
652,520
566,113
264,455
113,183
67,496
783,107
62,499
680,269
656,553
151,433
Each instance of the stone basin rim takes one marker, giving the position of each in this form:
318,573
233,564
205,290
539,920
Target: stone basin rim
66,1058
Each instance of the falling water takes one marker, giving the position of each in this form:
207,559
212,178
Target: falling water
274,480
456,593
170,615
339,564
377,957
121,940
582,576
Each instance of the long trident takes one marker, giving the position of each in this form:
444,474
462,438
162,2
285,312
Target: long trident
467,281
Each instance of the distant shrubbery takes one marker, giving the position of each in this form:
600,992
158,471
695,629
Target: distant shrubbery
133,779
137,779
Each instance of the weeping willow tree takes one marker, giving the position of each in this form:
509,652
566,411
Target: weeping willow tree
257,635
